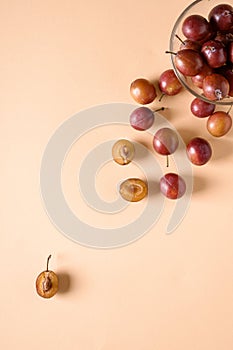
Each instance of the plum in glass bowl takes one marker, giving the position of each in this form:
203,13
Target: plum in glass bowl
201,48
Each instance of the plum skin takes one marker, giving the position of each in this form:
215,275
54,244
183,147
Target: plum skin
143,91
165,141
142,118
219,123
172,186
201,108
198,151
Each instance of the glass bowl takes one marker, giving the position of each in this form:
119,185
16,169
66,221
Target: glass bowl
203,8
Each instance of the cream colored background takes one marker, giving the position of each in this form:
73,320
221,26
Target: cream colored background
162,292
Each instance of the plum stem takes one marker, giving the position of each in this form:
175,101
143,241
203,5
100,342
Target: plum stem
179,38
171,52
159,109
160,99
47,269
229,109
167,161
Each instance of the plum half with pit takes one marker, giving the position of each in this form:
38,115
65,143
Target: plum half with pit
133,189
47,282
123,151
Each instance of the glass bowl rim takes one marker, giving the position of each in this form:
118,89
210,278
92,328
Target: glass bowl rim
223,102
